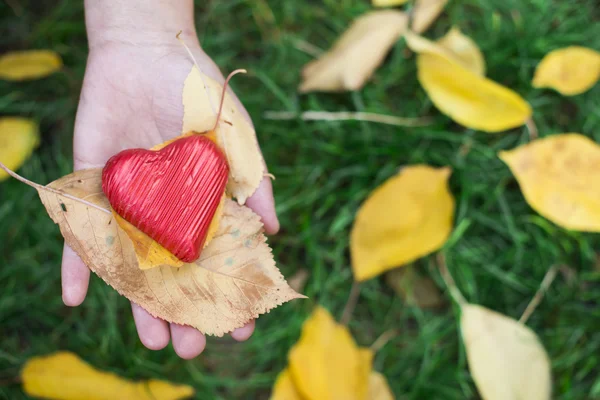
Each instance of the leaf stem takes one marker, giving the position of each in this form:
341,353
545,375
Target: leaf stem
449,281
383,339
347,116
533,130
351,303
539,295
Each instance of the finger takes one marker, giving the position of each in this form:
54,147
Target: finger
242,334
263,203
75,277
187,341
153,332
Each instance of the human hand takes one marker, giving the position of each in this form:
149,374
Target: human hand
131,98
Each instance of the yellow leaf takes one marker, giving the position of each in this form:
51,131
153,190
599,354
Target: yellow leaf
415,289
378,388
29,64
18,138
425,12
388,3
235,134
408,217
284,388
326,363
506,359
234,280
464,49
570,70
471,100
64,376
559,178
356,54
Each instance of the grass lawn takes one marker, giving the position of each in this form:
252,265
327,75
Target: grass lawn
498,254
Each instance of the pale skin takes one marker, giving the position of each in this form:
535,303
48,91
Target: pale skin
131,97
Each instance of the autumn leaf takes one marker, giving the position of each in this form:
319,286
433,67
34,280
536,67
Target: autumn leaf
415,289
356,54
425,13
326,364
18,138
506,359
234,280
570,71
408,217
559,178
468,98
464,49
29,64
64,376
388,3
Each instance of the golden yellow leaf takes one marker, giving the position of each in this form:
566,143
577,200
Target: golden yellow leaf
378,388
64,376
284,388
29,64
234,134
388,3
356,54
468,98
570,70
234,280
18,138
408,217
326,363
425,12
559,178
506,359
464,49
415,289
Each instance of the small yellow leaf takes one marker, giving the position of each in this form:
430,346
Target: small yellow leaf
356,54
388,3
415,289
559,178
18,138
379,388
464,49
468,98
64,376
284,388
29,64
506,359
570,70
326,363
425,12
408,217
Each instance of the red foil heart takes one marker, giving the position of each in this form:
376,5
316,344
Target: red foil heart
171,194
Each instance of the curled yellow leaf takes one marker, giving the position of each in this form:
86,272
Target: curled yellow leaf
425,13
468,98
29,64
408,217
464,49
559,178
18,138
388,3
64,376
570,70
284,388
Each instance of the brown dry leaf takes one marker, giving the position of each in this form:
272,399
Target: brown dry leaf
408,217
559,178
64,376
415,289
356,54
235,134
29,64
388,3
425,13
506,359
570,71
235,279
18,139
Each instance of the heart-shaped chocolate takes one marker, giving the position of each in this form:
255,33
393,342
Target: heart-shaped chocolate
170,194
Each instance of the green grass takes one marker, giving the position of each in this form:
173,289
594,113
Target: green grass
324,170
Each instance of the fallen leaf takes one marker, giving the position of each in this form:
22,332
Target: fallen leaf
356,54
284,388
18,138
29,64
570,70
379,388
464,49
298,280
415,289
506,359
468,98
64,376
234,280
408,217
559,178
388,3
235,134
425,12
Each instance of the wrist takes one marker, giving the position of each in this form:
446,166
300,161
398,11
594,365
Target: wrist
139,22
